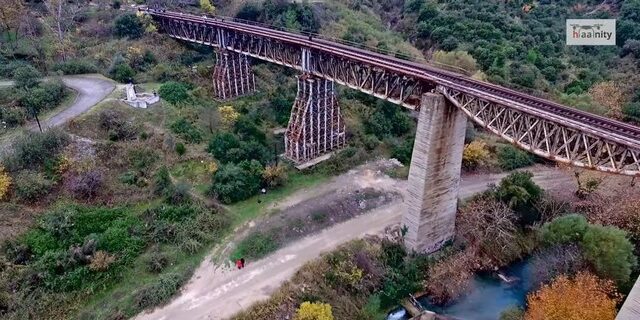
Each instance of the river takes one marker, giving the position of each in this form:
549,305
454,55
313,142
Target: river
488,296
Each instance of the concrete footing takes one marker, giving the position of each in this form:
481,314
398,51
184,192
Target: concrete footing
434,175
232,75
315,127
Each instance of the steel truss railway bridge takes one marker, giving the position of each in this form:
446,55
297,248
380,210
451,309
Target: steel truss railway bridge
445,100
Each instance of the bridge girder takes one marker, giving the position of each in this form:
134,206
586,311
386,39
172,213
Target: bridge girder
529,123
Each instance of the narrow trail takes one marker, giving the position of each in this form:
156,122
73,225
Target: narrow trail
219,292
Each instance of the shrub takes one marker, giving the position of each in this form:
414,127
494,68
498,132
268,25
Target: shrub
33,149
186,130
403,151
554,261
584,297
128,25
255,246
564,230
26,76
522,194
5,182
181,193
75,67
512,313
160,291
142,159
232,183
275,176
31,185
162,184
101,261
509,158
631,111
156,261
122,73
86,185
180,149
314,311
610,252
450,277
474,155
116,124
173,92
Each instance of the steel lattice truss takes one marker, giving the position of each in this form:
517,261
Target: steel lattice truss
548,139
315,126
232,75
547,129
383,83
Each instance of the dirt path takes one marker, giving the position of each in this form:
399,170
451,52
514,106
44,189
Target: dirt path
218,292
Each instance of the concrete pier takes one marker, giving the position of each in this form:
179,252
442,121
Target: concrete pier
434,176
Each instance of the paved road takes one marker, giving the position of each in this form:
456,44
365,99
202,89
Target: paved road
91,89
217,292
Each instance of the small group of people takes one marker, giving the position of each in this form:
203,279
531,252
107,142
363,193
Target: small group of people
240,263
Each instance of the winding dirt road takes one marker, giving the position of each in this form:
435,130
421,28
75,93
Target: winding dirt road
218,292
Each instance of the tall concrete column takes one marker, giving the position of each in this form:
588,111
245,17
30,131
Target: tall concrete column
434,176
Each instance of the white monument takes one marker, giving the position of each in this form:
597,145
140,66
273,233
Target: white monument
139,100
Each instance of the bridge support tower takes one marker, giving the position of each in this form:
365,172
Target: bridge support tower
315,127
232,75
434,176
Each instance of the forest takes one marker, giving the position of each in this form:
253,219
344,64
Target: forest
109,214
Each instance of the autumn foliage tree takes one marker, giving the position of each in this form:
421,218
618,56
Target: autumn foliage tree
5,182
474,155
610,95
314,311
583,297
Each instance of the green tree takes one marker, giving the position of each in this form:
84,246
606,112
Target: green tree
510,158
520,192
26,76
232,183
174,92
220,145
565,229
610,252
128,25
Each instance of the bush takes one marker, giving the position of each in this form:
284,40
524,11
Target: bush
162,184
116,124
631,111
275,176
474,155
5,182
565,230
255,246
143,159
232,183
26,76
157,261
403,151
31,185
520,192
75,67
160,291
128,25
509,158
554,261
512,313
180,149
186,130
122,73
610,252
86,185
174,92
314,311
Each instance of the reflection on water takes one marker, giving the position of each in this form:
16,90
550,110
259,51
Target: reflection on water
488,297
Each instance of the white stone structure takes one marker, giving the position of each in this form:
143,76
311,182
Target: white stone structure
139,100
